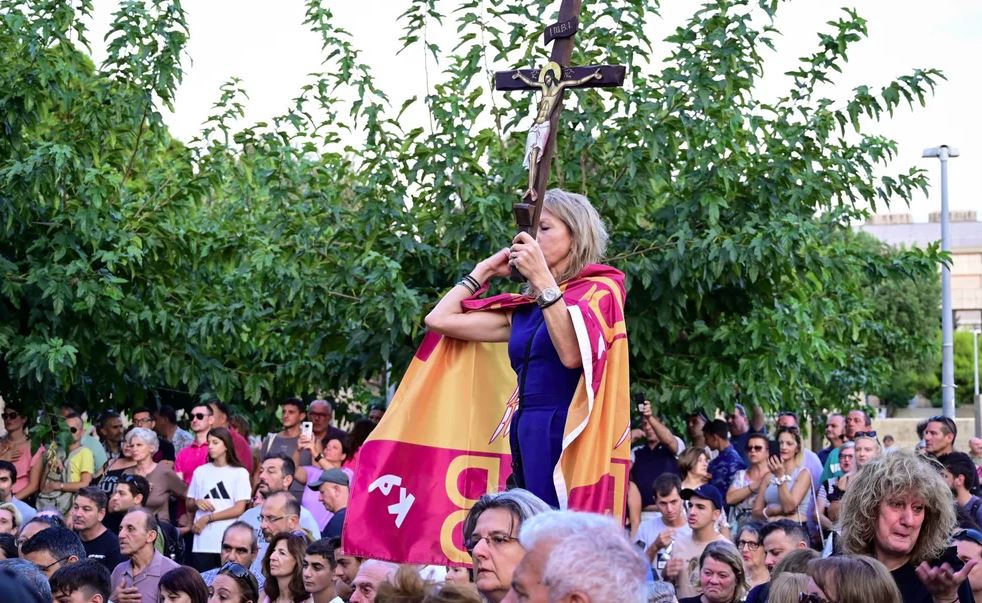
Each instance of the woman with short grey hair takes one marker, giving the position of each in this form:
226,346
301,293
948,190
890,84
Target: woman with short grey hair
491,537
142,444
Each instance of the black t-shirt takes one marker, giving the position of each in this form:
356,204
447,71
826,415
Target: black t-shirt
165,452
913,590
649,463
695,599
112,520
105,548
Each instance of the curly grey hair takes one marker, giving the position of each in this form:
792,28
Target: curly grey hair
885,478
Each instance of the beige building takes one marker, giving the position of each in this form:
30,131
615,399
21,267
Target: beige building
966,255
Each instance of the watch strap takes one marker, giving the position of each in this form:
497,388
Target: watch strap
546,304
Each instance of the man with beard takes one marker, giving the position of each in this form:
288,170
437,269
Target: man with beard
959,473
292,413
276,475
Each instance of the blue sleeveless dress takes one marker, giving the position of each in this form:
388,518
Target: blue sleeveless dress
545,389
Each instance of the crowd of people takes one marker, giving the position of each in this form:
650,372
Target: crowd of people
732,512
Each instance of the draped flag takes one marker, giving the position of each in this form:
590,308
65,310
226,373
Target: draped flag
443,442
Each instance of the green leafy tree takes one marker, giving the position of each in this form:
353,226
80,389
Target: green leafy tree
300,255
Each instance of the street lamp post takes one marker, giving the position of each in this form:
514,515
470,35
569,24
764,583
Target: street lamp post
977,400
947,336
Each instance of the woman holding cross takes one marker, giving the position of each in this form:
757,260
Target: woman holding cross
561,332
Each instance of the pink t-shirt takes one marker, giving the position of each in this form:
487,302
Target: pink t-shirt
24,464
190,458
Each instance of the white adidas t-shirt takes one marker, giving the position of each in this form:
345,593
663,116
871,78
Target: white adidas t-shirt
222,487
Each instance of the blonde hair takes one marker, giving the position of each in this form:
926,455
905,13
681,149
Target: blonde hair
587,231
799,456
787,588
900,473
16,517
725,552
854,579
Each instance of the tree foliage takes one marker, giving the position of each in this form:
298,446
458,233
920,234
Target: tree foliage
300,255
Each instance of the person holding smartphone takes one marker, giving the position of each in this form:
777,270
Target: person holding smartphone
292,414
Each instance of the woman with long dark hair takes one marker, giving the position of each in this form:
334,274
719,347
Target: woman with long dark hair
218,495
182,585
283,568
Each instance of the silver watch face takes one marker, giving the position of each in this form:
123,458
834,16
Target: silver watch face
550,294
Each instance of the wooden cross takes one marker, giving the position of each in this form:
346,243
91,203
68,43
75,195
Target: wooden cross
552,80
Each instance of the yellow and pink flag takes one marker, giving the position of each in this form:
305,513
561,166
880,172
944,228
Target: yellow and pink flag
443,442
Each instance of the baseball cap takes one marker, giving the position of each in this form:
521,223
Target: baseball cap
707,491
331,476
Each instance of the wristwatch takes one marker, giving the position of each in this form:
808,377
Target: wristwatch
549,296
318,458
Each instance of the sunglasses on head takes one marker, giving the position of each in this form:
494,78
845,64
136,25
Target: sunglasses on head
865,434
811,598
234,569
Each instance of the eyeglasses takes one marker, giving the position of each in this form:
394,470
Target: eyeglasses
271,519
756,448
811,598
750,545
864,434
143,421
45,568
200,416
10,415
788,430
317,414
494,541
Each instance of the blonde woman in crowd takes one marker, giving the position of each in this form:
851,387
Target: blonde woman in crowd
851,579
786,497
787,588
721,575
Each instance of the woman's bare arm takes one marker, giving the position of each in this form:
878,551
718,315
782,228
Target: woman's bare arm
448,317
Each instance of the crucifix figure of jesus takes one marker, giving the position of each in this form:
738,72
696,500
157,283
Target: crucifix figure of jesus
552,86
551,81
